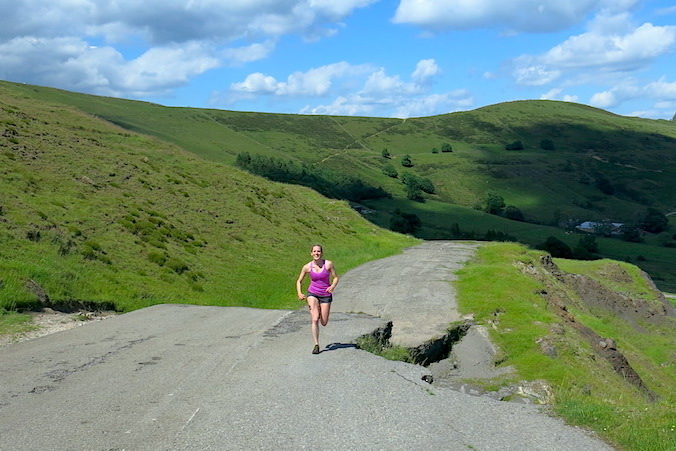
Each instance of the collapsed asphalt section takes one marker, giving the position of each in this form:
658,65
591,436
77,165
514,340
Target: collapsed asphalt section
190,377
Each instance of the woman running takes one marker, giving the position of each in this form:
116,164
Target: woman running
320,292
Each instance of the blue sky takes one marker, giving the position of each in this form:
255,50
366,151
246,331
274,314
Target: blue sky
403,58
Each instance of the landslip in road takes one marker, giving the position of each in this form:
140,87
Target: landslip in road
190,377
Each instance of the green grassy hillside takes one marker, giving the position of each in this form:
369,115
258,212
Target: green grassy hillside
90,212
578,163
551,326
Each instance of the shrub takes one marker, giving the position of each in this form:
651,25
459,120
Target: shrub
446,147
33,235
406,161
556,248
177,265
435,150
516,145
386,154
389,171
157,258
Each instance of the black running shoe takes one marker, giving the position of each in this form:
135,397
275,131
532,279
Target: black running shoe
315,350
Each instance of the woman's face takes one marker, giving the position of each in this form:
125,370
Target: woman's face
316,252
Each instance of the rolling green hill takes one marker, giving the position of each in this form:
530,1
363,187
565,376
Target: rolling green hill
577,163
93,213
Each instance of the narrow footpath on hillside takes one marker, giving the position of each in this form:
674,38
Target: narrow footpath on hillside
175,377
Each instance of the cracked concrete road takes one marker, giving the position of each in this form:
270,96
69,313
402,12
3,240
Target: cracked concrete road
208,378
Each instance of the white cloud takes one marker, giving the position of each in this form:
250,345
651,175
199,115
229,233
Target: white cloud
527,71
315,82
318,81
425,70
555,94
612,44
249,53
73,64
605,99
519,15
356,89
48,41
613,51
163,22
662,92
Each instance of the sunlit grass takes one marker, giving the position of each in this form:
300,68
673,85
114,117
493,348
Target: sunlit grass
587,391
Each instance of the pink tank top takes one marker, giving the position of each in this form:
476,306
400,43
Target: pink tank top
320,281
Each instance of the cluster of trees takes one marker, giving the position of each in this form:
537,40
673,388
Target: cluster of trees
416,186
494,204
327,182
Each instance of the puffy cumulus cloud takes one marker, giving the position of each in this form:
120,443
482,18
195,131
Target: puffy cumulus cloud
163,22
356,89
73,64
517,15
315,82
613,51
605,99
425,70
435,103
662,92
179,39
601,48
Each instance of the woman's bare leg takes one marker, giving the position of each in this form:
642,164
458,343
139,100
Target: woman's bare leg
325,311
313,304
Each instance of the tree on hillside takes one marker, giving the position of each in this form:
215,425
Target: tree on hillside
406,161
435,150
386,154
654,221
446,147
513,213
494,204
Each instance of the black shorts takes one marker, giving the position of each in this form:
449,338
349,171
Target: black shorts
322,299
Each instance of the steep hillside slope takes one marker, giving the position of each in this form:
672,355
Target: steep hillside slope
90,212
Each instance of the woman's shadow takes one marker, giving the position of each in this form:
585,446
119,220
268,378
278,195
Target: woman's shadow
336,346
